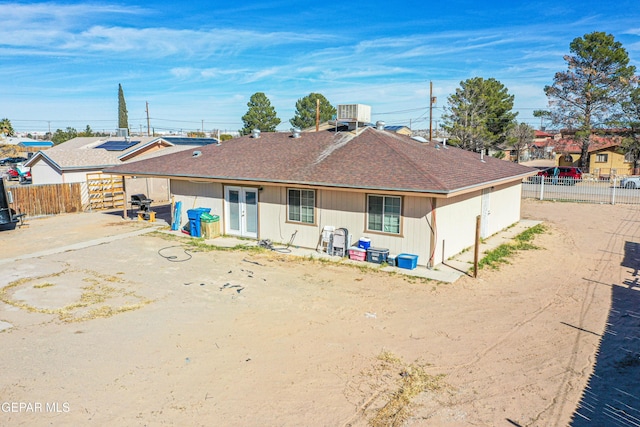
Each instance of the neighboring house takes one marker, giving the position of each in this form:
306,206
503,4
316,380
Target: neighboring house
405,195
543,145
26,146
33,146
606,157
72,160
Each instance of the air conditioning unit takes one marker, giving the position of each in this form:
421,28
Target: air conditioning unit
354,113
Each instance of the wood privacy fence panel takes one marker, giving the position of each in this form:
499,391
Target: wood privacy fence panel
48,199
105,191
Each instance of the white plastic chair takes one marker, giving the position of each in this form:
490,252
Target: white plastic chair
325,238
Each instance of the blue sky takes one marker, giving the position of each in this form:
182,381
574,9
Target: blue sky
197,63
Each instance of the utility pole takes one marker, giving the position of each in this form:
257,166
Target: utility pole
317,114
148,125
432,100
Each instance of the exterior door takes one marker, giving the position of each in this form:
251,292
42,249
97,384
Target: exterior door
486,213
241,211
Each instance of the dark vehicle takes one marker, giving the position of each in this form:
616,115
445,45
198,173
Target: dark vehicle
12,160
8,217
565,175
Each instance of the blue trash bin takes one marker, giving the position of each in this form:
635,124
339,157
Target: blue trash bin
194,220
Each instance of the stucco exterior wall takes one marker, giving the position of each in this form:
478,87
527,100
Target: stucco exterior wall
505,207
455,224
615,164
42,173
198,195
456,218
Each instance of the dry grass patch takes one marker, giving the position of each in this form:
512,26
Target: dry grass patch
388,389
99,298
412,380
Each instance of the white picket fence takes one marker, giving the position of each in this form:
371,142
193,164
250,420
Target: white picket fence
587,191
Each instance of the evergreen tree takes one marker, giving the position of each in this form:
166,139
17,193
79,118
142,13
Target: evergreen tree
61,136
589,93
123,117
305,116
479,114
260,115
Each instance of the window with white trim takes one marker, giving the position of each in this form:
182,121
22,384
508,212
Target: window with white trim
602,158
301,205
383,213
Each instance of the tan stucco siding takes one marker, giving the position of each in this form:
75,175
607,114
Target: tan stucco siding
272,223
198,195
344,209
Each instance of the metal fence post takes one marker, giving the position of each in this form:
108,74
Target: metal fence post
613,191
542,188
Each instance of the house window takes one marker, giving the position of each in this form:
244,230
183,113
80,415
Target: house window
383,214
602,158
301,205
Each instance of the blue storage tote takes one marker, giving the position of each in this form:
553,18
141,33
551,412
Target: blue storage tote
407,261
377,255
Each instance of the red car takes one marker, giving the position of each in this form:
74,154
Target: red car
565,175
14,174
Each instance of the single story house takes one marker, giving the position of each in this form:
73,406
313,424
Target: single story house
405,195
73,160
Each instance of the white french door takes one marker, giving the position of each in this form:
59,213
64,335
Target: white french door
241,211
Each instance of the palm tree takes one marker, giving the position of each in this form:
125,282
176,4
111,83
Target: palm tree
6,128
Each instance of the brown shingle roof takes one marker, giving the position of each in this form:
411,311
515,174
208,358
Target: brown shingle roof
372,159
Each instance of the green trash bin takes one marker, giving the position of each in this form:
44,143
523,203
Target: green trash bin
210,225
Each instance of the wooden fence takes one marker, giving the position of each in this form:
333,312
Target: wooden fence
50,199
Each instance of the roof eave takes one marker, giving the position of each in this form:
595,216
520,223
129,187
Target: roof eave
440,192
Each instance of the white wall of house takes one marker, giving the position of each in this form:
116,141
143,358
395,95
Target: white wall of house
505,206
456,218
42,173
456,225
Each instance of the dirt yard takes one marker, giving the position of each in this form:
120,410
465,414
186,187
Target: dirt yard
137,331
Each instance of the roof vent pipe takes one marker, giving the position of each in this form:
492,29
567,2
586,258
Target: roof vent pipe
255,133
196,153
380,125
295,132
